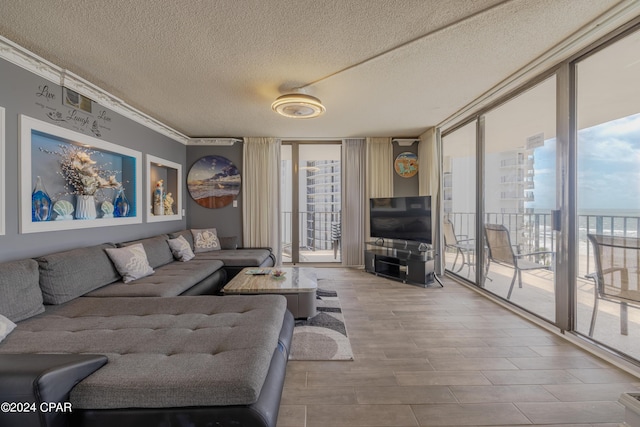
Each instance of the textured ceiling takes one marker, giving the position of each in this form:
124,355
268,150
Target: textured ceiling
213,68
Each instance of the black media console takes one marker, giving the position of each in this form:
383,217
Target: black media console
407,261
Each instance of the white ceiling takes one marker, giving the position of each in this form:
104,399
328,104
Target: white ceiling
213,68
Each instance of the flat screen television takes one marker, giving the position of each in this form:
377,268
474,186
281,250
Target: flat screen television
401,218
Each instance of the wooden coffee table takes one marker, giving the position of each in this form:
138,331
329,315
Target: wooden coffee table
298,286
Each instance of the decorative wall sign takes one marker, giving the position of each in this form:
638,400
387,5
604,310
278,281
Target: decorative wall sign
213,182
406,164
74,112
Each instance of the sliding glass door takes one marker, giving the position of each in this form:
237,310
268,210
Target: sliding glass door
311,202
550,171
520,194
459,200
608,196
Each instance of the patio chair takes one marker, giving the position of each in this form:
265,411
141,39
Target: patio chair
617,274
461,246
501,251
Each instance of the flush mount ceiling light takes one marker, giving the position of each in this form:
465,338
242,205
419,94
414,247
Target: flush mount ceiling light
298,106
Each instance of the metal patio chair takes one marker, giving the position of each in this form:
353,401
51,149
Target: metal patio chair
463,247
501,251
617,274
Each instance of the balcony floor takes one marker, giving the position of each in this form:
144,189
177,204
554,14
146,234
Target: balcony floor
317,256
537,295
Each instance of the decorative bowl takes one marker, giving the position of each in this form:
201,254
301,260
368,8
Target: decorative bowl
278,274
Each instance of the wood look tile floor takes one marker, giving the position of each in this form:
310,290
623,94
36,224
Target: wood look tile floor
446,357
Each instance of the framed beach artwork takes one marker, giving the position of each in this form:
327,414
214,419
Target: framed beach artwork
406,164
213,182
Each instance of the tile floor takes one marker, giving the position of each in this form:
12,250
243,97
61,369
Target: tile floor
446,357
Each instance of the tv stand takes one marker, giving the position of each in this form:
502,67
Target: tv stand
407,261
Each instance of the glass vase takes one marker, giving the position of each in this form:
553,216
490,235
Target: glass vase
121,206
40,203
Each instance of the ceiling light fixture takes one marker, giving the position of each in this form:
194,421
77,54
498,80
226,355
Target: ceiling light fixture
298,106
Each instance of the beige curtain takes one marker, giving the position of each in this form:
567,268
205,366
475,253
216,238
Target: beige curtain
429,185
379,167
261,194
354,200
379,173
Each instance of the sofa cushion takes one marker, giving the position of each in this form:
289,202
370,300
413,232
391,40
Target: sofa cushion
238,257
130,261
188,236
20,295
156,248
69,274
205,240
163,352
168,281
181,249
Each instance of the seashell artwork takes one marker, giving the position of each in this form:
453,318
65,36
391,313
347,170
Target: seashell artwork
64,209
107,209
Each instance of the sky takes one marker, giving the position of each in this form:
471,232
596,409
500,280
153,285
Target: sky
608,168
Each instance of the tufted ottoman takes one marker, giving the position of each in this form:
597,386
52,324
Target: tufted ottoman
174,352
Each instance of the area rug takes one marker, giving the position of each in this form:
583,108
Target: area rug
324,336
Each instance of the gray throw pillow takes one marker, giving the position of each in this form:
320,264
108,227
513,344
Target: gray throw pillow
20,295
229,242
131,262
181,249
6,326
205,240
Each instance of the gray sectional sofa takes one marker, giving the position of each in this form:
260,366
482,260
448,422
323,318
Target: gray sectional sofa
155,352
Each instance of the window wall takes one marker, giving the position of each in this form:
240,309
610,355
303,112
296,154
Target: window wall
552,163
520,193
608,188
459,200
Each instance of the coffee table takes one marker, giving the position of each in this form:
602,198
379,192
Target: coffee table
298,285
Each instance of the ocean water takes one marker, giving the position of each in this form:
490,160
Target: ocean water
199,191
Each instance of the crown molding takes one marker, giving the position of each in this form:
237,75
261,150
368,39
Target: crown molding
213,141
28,60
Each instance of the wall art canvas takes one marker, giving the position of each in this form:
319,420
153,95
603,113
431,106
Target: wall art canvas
406,164
213,182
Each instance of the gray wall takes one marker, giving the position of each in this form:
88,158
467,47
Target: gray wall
405,186
227,220
22,92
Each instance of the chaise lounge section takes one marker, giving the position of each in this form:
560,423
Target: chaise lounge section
172,358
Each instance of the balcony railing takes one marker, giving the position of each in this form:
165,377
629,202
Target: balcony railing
317,230
532,232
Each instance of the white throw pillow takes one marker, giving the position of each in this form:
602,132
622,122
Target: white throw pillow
6,326
130,261
205,240
181,249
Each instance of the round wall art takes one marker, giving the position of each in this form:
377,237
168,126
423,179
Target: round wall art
406,164
213,182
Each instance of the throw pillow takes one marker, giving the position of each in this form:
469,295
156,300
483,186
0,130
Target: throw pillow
181,249
131,262
229,242
205,240
6,326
